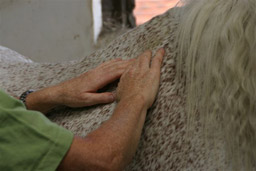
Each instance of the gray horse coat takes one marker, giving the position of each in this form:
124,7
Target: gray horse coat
163,145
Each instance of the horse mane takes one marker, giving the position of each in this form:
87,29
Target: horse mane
217,44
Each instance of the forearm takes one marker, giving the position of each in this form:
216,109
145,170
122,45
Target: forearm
122,131
43,100
131,115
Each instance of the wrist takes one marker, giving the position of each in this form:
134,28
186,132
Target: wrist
43,100
54,95
24,95
137,99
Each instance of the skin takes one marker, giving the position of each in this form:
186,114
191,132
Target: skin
80,91
114,143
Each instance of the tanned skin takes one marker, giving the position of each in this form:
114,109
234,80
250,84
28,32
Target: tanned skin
113,144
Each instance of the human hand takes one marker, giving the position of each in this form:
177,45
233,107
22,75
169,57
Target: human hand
82,90
141,79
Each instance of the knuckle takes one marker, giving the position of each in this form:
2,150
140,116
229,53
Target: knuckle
121,70
118,69
84,96
153,72
105,70
114,68
147,52
158,59
122,65
141,57
130,71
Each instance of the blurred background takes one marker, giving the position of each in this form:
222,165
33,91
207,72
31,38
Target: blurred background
64,30
146,9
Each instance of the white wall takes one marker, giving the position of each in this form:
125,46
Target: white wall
47,30
97,18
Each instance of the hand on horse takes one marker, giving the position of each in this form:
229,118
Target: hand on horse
82,90
141,78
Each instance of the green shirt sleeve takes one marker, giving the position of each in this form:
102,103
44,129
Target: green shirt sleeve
28,140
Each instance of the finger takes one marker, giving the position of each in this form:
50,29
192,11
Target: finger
144,59
116,70
110,62
115,63
129,68
120,64
157,61
113,73
100,98
132,60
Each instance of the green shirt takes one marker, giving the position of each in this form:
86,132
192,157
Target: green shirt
28,140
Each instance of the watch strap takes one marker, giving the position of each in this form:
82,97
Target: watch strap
24,95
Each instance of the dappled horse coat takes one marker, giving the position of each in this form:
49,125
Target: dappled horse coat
163,144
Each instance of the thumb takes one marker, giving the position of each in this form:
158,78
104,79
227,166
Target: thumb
99,98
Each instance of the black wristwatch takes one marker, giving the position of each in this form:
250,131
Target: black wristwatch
24,95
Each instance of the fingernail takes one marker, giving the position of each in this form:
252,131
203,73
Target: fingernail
162,50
